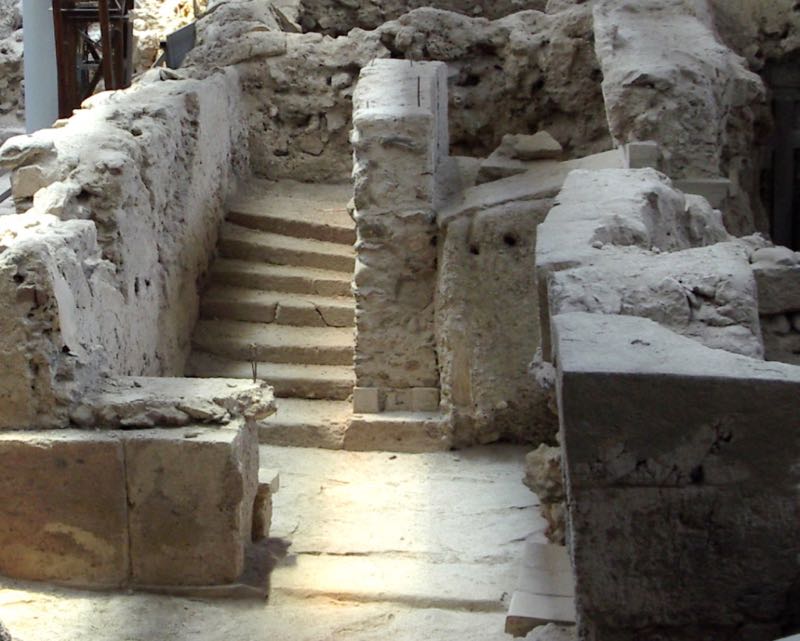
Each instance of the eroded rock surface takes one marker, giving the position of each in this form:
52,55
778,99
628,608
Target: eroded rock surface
703,106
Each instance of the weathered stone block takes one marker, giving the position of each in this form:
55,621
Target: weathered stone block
63,513
191,493
366,400
682,492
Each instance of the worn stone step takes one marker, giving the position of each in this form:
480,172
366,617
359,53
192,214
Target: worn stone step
235,303
245,341
300,217
256,188
333,382
306,423
242,243
280,278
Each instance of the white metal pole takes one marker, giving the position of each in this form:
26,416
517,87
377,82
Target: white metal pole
41,74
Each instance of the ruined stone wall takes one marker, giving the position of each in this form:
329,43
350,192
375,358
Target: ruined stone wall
337,18
667,77
677,438
101,274
515,75
11,71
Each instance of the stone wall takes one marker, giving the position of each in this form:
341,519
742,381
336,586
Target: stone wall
101,274
336,18
678,440
11,71
777,272
400,143
514,75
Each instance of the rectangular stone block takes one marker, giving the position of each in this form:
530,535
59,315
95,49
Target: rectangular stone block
191,493
778,288
639,155
425,399
63,511
682,476
366,400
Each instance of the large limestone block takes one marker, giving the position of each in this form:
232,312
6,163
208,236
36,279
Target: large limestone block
63,511
191,493
681,464
707,293
667,77
597,212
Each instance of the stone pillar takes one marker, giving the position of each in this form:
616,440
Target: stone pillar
400,138
41,77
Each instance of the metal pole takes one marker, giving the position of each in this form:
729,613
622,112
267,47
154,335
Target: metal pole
41,79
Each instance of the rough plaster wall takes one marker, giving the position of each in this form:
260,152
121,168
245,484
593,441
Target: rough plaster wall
487,326
338,17
150,167
668,78
539,69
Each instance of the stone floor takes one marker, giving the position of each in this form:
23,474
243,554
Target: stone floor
384,546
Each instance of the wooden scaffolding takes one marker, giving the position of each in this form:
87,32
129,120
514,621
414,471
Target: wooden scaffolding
94,42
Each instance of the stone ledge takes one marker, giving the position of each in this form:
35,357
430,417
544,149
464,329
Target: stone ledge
142,402
410,432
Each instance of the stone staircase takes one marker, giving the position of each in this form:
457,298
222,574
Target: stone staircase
279,302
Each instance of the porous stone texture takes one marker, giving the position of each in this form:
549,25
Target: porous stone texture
4,633
777,274
708,293
11,71
519,74
760,30
667,77
682,493
141,402
485,349
337,17
399,141
522,73
63,511
544,477
100,275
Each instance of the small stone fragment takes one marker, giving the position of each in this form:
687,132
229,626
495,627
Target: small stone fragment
539,146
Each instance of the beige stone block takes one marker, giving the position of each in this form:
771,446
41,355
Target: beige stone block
268,484
425,399
63,513
191,493
366,400
398,400
639,155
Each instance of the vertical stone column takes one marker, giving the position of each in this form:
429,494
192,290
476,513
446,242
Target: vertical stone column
41,80
399,139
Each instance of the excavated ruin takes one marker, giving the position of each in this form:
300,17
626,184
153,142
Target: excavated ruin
360,241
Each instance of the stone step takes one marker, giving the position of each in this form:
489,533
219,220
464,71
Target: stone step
321,193
280,278
234,303
244,341
243,243
334,382
409,432
306,423
303,218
